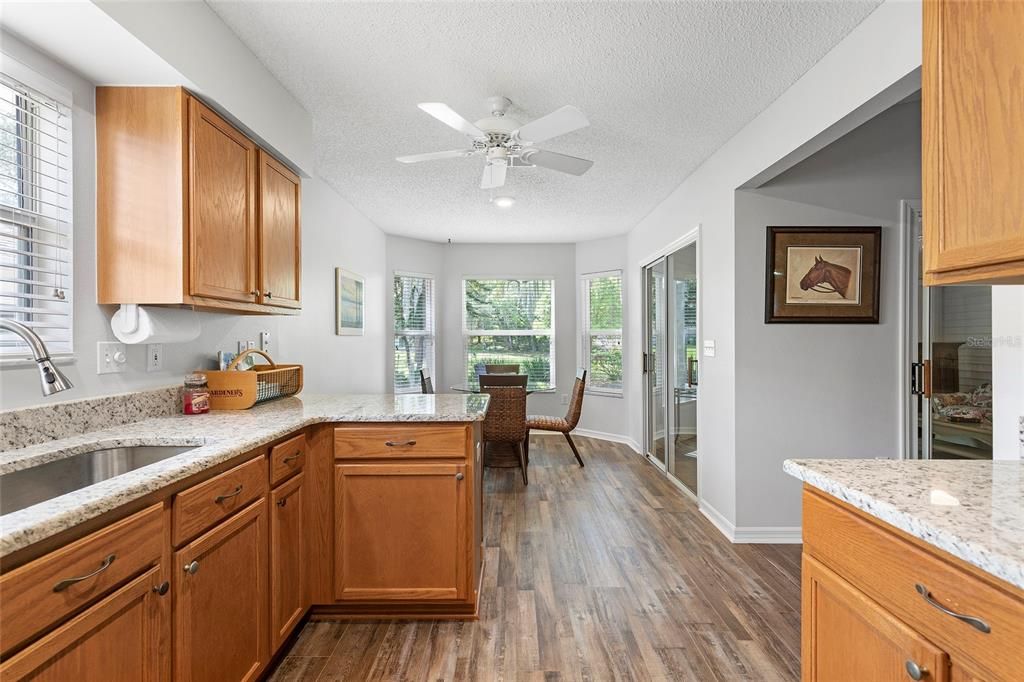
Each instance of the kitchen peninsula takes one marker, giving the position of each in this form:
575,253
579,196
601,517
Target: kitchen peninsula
343,506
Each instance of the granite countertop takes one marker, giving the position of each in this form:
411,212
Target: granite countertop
973,510
217,437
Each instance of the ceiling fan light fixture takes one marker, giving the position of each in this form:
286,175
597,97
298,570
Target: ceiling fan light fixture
503,202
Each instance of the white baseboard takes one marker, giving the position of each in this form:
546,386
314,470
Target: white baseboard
741,535
600,435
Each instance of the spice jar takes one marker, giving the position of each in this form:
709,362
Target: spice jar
196,396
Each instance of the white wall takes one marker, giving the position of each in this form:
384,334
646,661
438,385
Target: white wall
216,64
882,51
335,234
1008,372
604,415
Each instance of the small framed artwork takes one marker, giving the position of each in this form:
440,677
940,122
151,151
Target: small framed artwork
348,303
822,275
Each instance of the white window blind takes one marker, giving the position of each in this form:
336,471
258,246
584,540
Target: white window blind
509,322
414,330
35,217
602,332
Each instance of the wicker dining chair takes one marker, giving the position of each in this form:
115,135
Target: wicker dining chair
501,369
562,425
506,420
488,380
426,383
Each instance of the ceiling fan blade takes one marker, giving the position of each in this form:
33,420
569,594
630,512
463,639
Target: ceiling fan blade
556,161
558,122
445,114
430,156
494,175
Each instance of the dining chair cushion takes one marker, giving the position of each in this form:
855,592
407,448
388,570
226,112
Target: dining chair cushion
546,423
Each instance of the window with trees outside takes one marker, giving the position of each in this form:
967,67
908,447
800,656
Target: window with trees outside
509,321
414,330
602,332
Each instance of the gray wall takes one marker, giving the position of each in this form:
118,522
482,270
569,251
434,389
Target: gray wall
820,390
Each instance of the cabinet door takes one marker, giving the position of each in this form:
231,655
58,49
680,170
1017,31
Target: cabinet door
973,141
280,234
401,532
222,208
220,609
288,599
847,636
121,639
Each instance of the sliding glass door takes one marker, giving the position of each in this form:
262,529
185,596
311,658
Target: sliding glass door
670,364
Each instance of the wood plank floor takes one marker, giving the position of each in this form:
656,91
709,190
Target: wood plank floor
601,573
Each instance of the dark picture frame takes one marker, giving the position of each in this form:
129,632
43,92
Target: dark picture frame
822,275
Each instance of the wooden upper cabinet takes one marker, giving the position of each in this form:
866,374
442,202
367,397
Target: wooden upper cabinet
400,532
222,208
973,141
280,233
847,636
180,208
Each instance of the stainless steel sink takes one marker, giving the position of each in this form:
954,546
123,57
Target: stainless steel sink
20,489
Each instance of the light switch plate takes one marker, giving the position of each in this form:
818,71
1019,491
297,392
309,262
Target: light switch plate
111,357
709,348
265,342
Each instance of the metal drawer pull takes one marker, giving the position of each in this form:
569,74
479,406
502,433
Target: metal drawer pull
192,568
292,458
282,502
68,582
459,476
236,491
162,588
915,671
976,623
395,444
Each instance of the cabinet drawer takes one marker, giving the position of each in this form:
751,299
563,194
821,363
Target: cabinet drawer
203,505
287,458
400,440
889,568
45,591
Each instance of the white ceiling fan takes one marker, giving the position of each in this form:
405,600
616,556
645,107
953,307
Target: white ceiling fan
506,143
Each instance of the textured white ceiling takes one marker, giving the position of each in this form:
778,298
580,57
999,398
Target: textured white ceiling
663,84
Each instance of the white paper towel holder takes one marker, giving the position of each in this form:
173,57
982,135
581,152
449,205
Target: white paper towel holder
126,323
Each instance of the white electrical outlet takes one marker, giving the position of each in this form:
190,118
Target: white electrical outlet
250,345
565,398
242,345
111,357
709,348
154,357
265,342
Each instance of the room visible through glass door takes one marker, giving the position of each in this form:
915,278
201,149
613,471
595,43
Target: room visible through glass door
682,460
951,383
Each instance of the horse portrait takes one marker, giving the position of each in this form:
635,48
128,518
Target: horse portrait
827,278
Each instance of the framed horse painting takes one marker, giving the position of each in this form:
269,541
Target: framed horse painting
822,274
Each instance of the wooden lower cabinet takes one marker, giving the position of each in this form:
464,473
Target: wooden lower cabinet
120,639
847,636
401,531
288,595
220,609
878,604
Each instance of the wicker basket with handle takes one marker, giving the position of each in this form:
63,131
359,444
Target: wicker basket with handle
234,389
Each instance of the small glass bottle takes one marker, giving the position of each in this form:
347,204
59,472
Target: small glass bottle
196,396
